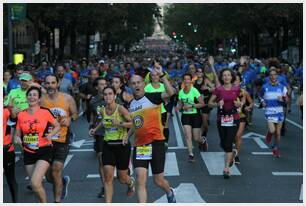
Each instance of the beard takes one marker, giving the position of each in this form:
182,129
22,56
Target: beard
51,91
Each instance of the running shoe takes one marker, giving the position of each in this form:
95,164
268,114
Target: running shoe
101,193
276,153
66,181
226,174
237,160
203,146
131,188
29,187
191,158
268,137
166,146
171,196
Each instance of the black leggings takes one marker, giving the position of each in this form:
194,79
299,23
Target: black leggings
9,172
227,137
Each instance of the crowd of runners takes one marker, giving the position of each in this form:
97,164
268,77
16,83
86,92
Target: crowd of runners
128,102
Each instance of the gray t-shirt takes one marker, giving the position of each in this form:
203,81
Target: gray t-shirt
64,86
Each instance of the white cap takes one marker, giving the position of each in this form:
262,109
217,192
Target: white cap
101,61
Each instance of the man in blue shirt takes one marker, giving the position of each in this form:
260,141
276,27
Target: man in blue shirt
44,71
14,83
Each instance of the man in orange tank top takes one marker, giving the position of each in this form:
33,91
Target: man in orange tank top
63,108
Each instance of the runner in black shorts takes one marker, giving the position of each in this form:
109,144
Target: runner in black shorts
205,86
32,133
247,105
116,148
145,110
64,108
190,100
95,104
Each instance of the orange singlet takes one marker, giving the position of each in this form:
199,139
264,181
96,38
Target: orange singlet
34,128
59,108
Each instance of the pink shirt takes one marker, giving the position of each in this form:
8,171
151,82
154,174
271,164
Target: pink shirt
228,96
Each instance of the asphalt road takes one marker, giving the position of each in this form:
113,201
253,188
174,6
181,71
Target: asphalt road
259,178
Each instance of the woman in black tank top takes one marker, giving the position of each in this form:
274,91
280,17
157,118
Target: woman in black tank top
123,98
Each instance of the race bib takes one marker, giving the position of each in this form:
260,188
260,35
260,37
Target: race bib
272,119
31,141
112,130
227,120
144,152
55,137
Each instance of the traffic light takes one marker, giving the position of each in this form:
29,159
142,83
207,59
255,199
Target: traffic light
173,33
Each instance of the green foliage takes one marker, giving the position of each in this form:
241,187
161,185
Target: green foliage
220,21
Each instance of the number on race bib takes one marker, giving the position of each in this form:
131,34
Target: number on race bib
144,152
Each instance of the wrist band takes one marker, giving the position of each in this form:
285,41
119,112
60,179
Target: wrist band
164,74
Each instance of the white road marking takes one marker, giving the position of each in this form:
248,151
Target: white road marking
78,144
262,153
175,148
214,162
184,193
171,166
69,157
294,123
287,173
260,143
252,135
17,158
178,134
93,176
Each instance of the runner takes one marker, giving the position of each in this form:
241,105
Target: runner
65,84
122,97
273,95
87,91
204,86
189,101
95,105
116,148
9,154
63,107
225,98
149,144
247,105
32,132
156,86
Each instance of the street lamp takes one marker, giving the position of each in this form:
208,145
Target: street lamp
189,23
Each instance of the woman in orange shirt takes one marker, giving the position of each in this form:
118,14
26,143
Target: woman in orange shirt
35,127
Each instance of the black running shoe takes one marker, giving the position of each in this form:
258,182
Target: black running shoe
101,193
191,158
237,161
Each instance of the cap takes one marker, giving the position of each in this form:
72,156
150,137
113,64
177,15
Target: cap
101,61
25,76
